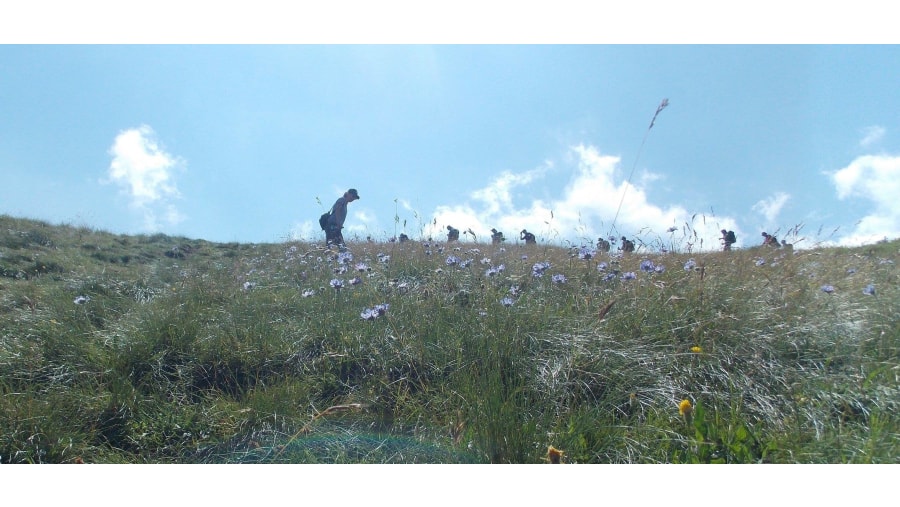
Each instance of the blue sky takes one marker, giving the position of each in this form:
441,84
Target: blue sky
251,143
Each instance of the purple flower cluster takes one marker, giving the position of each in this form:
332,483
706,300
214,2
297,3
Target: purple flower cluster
629,275
559,278
374,312
586,253
345,257
452,260
538,269
495,270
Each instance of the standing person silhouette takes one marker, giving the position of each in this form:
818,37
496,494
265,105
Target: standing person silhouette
528,237
335,223
728,239
452,234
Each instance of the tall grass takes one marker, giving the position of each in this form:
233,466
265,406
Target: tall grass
187,351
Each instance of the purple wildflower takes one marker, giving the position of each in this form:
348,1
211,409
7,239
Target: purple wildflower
345,258
629,275
585,253
355,281
80,300
647,265
828,289
603,266
760,261
690,265
609,276
559,278
308,293
869,289
375,312
538,269
337,283
452,260
362,266
507,301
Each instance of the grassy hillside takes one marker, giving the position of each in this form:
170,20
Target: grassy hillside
160,349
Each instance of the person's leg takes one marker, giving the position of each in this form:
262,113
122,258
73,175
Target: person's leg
331,236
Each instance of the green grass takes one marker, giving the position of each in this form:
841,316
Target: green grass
188,351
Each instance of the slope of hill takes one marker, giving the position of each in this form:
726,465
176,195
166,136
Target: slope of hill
160,349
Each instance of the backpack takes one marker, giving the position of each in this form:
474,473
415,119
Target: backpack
730,238
323,220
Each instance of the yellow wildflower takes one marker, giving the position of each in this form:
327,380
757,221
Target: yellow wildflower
685,407
696,349
554,455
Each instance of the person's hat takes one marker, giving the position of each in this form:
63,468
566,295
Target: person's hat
354,193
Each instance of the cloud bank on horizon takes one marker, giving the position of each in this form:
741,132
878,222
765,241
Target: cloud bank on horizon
596,202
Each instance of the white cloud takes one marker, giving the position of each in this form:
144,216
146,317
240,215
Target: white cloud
584,211
145,172
771,207
875,178
871,135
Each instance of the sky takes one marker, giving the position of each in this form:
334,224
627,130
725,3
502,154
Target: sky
252,142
